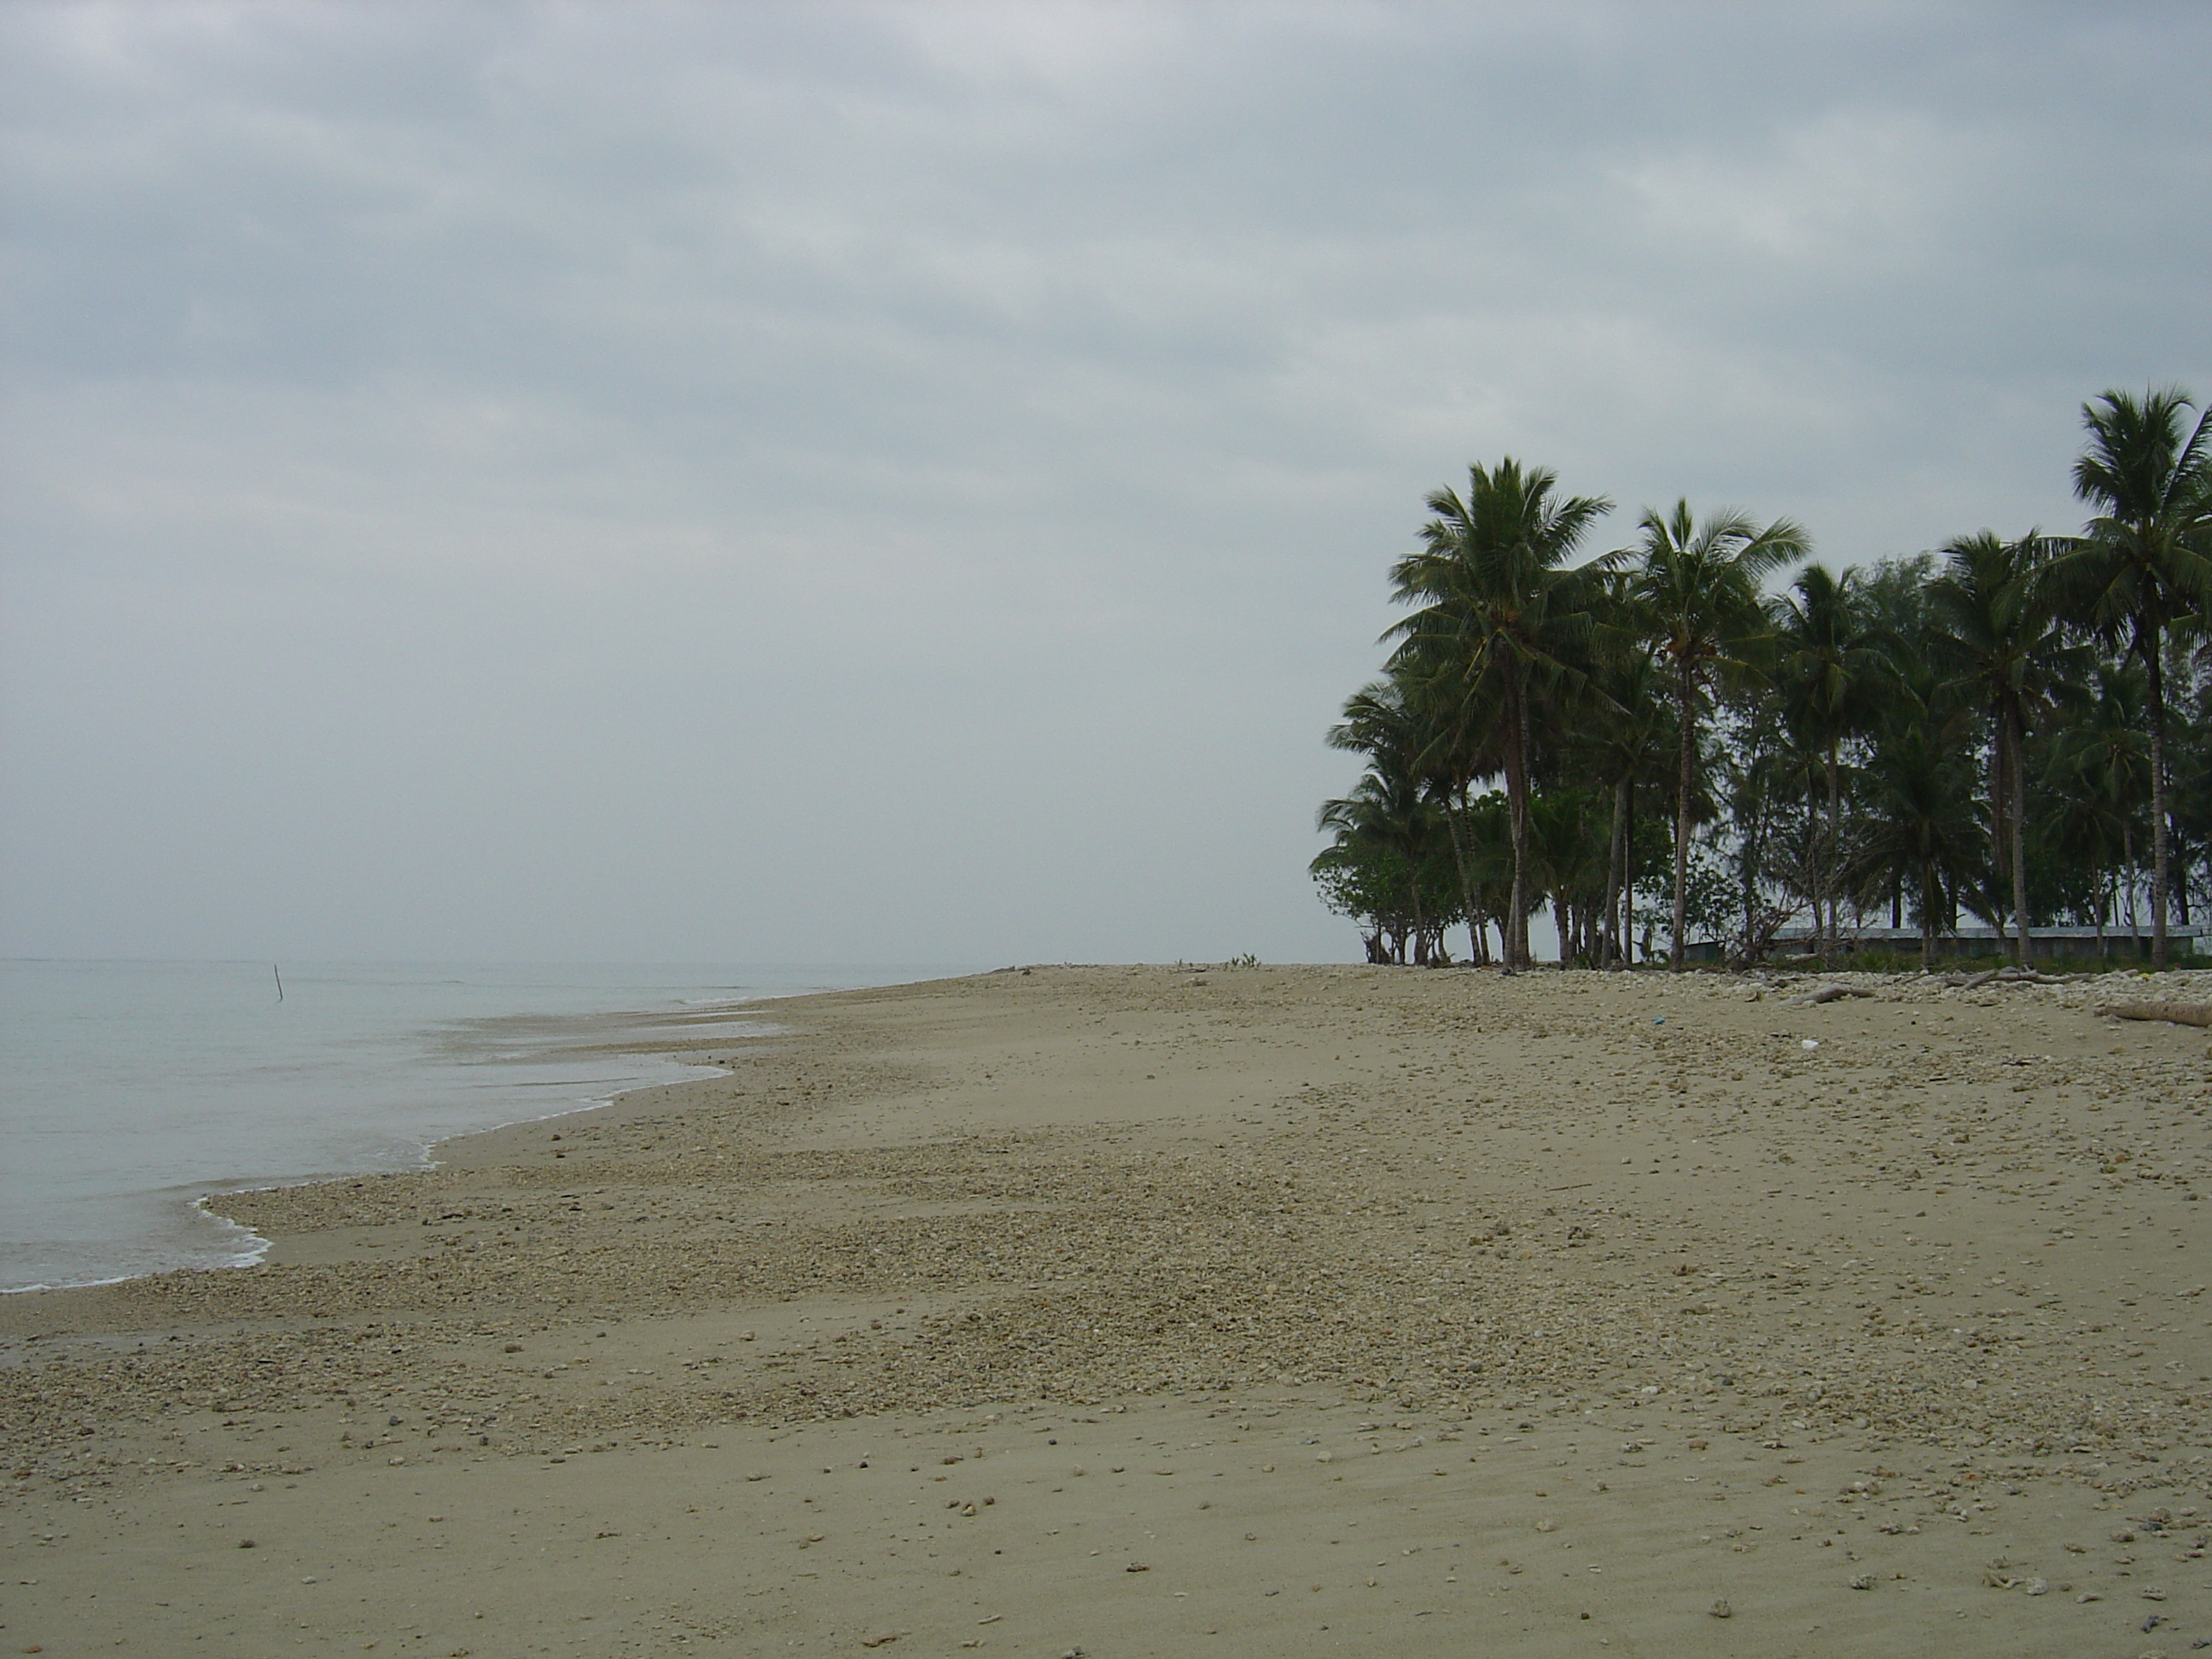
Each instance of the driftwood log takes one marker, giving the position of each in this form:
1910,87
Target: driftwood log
2176,1013
1832,994
2009,975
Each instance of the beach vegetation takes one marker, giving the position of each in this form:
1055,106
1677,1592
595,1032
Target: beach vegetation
1700,743
1500,623
1694,593
2141,569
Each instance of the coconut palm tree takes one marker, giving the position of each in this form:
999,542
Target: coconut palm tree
1697,588
1390,807
1622,737
1827,667
1486,870
1406,732
1380,723
2189,790
2144,562
1763,773
2101,761
1384,834
1997,635
1569,851
1499,612
1923,834
1457,741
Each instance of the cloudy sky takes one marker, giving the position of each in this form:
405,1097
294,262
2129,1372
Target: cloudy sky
912,483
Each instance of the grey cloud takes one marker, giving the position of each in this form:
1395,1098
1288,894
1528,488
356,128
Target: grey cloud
832,481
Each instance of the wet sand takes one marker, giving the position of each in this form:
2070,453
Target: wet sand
1153,1312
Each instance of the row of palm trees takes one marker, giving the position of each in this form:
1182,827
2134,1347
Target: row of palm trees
1653,735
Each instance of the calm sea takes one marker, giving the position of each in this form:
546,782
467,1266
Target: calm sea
130,1089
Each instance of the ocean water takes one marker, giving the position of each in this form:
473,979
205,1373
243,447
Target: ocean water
130,1090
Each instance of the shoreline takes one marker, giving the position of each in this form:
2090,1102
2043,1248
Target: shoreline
161,1218
257,1248
1511,1252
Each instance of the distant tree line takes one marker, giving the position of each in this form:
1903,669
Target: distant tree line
1655,741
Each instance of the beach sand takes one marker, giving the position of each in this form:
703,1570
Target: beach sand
1152,1311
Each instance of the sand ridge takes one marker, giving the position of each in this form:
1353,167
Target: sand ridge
1626,1241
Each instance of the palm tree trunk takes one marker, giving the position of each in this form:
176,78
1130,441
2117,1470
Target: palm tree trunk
2158,854
2016,747
1454,809
1628,873
1524,957
1413,903
1927,916
1688,701
1816,946
1609,939
1749,871
2127,866
1833,852
1517,805
2000,810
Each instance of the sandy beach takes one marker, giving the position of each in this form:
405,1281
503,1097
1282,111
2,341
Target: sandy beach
1163,1311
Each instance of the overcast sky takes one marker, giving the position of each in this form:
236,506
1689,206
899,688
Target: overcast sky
913,483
